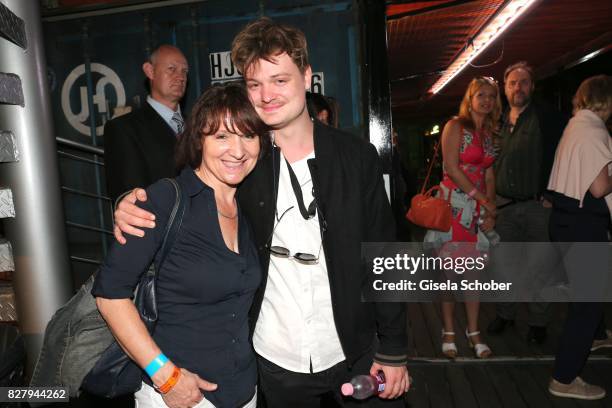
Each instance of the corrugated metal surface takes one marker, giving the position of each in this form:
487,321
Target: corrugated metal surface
10,89
424,44
8,147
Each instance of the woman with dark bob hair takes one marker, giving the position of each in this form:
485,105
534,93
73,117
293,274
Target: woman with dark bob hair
199,354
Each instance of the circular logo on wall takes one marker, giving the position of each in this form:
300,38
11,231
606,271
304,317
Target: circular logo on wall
102,77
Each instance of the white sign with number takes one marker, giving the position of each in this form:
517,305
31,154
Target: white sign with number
222,69
317,83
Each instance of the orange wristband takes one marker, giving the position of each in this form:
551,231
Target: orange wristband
483,202
171,382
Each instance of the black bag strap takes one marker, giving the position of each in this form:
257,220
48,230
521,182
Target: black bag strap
297,190
174,223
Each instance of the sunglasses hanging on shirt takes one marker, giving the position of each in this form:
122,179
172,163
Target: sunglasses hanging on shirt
282,252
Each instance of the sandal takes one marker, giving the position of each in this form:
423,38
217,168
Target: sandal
449,349
481,350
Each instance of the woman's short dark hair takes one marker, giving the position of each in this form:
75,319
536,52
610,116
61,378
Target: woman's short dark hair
226,104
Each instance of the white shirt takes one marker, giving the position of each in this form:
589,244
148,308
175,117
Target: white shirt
165,112
296,324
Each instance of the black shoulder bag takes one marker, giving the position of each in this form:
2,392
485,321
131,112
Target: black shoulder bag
79,351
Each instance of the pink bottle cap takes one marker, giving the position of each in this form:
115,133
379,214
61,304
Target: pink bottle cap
347,389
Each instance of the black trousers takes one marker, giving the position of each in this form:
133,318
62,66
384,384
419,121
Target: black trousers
581,324
280,388
584,321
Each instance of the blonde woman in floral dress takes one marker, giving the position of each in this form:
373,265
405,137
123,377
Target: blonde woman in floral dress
468,156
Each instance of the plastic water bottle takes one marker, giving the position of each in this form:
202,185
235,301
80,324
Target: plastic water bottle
364,386
491,235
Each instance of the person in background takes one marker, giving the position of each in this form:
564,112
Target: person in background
400,197
139,146
528,137
581,181
468,156
319,108
207,284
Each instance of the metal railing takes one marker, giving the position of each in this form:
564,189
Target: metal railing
100,200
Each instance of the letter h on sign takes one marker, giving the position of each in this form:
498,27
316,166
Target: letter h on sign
221,67
216,71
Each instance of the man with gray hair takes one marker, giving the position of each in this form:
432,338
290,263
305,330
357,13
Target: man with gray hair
139,146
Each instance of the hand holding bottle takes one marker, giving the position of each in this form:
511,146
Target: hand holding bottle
364,386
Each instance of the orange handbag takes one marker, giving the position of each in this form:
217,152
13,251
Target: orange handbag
428,211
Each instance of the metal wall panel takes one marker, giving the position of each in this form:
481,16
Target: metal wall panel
12,27
117,44
11,92
8,147
7,208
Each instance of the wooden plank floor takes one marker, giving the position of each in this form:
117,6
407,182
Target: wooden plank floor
488,385
516,377
425,324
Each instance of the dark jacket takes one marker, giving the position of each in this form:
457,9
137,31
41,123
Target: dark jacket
349,190
138,150
551,124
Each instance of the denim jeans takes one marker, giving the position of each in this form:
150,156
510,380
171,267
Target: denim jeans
147,397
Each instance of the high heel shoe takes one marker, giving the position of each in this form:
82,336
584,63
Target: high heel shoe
481,350
449,349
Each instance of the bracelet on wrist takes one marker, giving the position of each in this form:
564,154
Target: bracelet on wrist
483,202
155,364
170,382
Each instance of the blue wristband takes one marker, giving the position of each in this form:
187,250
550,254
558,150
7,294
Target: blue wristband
157,363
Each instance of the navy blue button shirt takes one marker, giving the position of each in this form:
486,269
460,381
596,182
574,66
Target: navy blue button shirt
204,289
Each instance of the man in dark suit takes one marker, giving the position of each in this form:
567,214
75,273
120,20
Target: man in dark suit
139,146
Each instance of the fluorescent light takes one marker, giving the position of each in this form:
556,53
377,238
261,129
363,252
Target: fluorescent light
493,29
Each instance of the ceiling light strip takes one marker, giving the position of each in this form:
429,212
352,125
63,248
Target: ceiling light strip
487,35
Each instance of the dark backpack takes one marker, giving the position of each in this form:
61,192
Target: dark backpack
79,350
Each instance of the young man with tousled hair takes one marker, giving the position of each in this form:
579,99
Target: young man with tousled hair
312,200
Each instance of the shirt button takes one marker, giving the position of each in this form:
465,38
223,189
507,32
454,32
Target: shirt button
261,203
233,315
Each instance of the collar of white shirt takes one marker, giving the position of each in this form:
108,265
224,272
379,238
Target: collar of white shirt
165,112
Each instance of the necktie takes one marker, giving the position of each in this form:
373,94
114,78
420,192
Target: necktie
179,122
